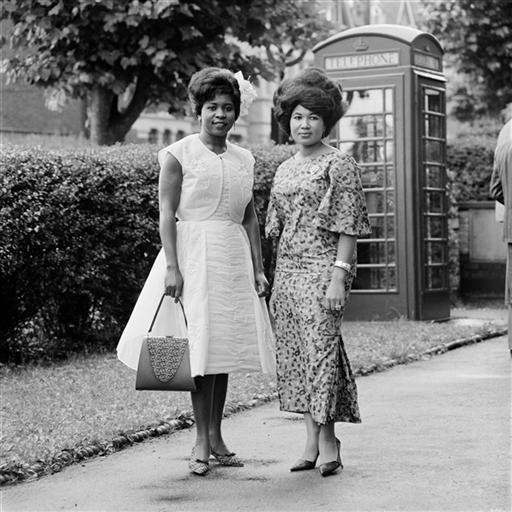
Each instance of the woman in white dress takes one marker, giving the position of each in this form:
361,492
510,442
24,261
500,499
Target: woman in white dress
210,260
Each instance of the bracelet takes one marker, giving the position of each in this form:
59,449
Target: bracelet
343,265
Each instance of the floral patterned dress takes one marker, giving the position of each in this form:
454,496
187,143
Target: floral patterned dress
312,202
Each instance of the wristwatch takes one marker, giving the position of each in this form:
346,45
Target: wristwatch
343,265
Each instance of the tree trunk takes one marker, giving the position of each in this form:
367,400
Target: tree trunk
85,131
108,125
101,101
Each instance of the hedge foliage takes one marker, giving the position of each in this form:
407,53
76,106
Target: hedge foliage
80,233
469,162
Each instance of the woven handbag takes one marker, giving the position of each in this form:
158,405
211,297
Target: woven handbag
164,362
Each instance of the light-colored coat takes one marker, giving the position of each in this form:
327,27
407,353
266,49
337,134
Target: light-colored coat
501,179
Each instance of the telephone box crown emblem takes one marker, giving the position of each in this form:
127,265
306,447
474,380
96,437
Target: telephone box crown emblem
360,44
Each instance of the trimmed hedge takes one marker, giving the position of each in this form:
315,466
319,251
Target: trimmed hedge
80,233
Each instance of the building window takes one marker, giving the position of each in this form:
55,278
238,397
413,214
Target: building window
166,136
180,134
153,136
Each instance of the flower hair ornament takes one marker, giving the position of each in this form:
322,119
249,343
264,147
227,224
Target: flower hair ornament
247,93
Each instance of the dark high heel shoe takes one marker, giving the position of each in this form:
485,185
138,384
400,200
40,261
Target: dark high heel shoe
328,468
304,464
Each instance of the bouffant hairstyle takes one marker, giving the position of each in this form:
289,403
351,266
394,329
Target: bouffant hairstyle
207,83
312,89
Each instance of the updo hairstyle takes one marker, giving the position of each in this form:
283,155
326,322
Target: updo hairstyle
314,90
207,83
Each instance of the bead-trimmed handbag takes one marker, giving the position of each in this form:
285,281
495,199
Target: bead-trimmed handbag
164,361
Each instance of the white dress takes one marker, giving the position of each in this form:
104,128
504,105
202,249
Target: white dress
228,324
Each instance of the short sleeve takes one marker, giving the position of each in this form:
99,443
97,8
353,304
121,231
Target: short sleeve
343,207
176,150
273,226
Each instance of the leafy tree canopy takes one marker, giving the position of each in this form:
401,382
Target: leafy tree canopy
477,37
146,51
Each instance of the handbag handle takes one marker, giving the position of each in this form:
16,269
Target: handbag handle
158,309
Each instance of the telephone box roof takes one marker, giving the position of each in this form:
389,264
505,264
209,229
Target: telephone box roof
399,32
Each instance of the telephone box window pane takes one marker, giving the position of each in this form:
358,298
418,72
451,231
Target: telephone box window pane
435,252
347,147
390,129
371,252
383,226
378,278
374,126
390,201
434,227
390,223
377,252
371,279
362,280
390,176
434,201
375,279
363,253
434,150
388,98
378,225
365,101
434,176
391,252
372,176
433,100
435,278
390,150
368,151
391,278
375,201
434,126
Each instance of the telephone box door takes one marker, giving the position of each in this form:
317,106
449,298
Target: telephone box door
372,131
432,222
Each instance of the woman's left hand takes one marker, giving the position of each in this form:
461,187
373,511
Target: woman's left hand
261,283
335,296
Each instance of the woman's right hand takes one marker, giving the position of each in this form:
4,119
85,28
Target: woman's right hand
173,283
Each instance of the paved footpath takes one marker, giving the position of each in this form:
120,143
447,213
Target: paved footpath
435,437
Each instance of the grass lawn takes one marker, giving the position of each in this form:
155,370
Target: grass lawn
91,399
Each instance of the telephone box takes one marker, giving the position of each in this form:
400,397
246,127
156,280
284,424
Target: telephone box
395,128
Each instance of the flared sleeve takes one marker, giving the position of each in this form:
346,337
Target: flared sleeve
343,207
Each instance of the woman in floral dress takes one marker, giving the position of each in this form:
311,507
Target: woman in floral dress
316,210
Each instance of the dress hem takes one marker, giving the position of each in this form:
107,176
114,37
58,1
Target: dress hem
338,419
